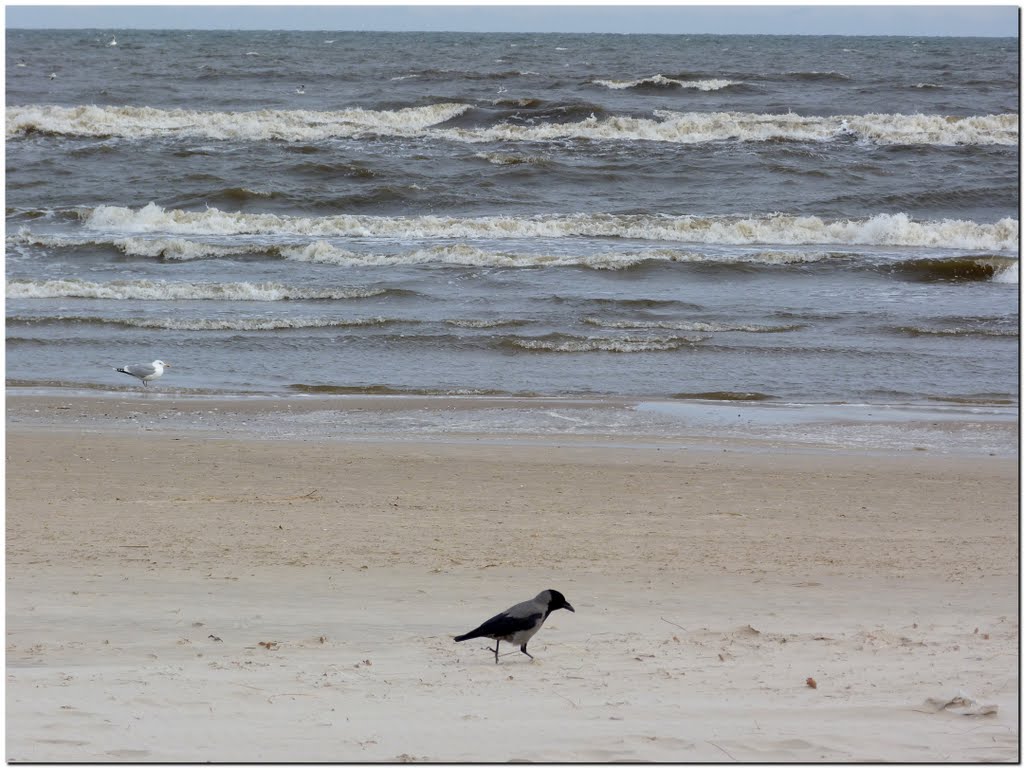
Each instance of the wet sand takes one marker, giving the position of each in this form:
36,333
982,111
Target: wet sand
178,593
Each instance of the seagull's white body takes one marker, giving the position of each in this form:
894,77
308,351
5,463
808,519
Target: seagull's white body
145,372
113,41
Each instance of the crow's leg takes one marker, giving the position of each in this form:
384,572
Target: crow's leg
497,645
523,649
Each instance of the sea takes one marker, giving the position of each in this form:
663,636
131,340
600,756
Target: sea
803,220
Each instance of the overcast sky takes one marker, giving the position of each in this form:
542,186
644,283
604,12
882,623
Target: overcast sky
913,20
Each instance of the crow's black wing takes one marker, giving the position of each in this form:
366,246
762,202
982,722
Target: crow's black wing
503,624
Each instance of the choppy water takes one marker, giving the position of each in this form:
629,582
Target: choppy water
804,219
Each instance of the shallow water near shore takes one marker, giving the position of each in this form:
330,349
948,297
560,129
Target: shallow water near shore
947,430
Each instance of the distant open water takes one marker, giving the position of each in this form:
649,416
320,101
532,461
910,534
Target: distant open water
805,219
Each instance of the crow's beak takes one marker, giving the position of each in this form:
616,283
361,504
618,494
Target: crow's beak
569,608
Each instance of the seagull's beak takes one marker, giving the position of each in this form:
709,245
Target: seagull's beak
569,608
167,365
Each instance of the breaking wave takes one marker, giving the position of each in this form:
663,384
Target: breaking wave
664,126
208,324
504,158
160,290
171,249
1009,274
660,81
282,125
882,229
998,269
699,127
559,342
958,331
480,324
696,326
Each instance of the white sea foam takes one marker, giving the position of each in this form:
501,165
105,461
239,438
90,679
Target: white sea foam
1010,274
749,257
934,129
160,290
696,326
248,324
599,344
504,158
882,229
323,252
469,323
715,84
176,249
173,249
697,128
462,254
285,125
665,126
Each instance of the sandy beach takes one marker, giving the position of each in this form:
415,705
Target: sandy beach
186,594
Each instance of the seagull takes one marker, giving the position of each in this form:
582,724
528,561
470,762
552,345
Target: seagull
146,372
520,622
53,75
113,41
301,90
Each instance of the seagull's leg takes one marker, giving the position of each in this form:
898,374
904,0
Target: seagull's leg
523,649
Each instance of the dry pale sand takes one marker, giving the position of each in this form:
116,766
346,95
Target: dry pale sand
188,596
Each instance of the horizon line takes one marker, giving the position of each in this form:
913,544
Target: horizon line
494,32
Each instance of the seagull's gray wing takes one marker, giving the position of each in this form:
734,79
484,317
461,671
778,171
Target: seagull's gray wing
140,369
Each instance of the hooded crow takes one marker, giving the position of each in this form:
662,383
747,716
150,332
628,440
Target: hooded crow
520,622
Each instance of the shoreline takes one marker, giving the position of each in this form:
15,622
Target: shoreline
22,388
963,429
